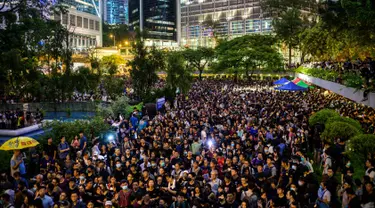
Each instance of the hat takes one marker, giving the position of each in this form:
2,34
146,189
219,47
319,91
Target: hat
108,203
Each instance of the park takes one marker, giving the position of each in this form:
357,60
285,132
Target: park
271,119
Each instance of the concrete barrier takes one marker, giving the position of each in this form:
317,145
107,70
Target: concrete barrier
348,92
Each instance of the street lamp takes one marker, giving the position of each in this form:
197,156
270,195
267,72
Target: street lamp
126,43
114,39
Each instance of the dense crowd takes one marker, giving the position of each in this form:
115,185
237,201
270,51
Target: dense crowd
225,144
18,119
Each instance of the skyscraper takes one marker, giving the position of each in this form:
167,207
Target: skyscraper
116,11
159,17
202,19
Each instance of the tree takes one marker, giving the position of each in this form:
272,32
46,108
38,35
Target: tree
350,121
199,58
178,75
85,80
113,86
248,53
145,64
322,116
287,28
111,63
339,130
361,146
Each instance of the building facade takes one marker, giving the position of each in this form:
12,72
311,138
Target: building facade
116,11
202,20
86,29
160,18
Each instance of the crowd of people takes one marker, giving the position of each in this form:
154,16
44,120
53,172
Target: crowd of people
14,119
224,144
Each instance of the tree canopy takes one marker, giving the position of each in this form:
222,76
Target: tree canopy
249,53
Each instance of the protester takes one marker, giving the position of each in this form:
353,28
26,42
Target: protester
223,144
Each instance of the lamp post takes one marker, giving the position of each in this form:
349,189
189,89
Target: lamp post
126,43
114,39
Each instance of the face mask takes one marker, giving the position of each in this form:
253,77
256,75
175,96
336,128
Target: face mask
124,187
302,159
293,189
348,164
300,183
162,164
142,151
294,167
321,187
82,177
185,153
118,165
232,145
266,151
153,165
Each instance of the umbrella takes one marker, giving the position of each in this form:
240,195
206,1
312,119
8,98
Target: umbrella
281,81
18,143
303,84
296,80
290,86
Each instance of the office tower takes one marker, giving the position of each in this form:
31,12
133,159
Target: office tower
83,20
116,11
160,18
201,20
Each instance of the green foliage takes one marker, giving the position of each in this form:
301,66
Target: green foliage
322,116
111,63
85,80
248,53
350,121
158,93
5,157
178,75
145,64
198,59
360,146
350,79
288,27
114,86
91,128
339,130
120,105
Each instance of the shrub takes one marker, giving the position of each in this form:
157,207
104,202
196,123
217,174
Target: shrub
91,128
361,145
350,121
322,116
339,130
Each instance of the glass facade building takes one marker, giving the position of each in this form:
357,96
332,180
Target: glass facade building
158,17
116,11
231,18
87,6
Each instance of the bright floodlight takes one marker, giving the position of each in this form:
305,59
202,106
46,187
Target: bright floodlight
110,137
209,143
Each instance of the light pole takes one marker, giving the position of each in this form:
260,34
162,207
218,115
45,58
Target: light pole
114,39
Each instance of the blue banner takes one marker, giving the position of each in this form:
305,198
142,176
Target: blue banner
159,103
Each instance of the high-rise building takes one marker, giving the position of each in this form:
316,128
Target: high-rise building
116,11
160,18
83,20
201,20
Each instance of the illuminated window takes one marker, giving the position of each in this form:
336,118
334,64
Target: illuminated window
266,25
194,31
236,27
252,26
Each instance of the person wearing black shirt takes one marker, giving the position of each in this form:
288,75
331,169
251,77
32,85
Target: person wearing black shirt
353,199
280,200
50,149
